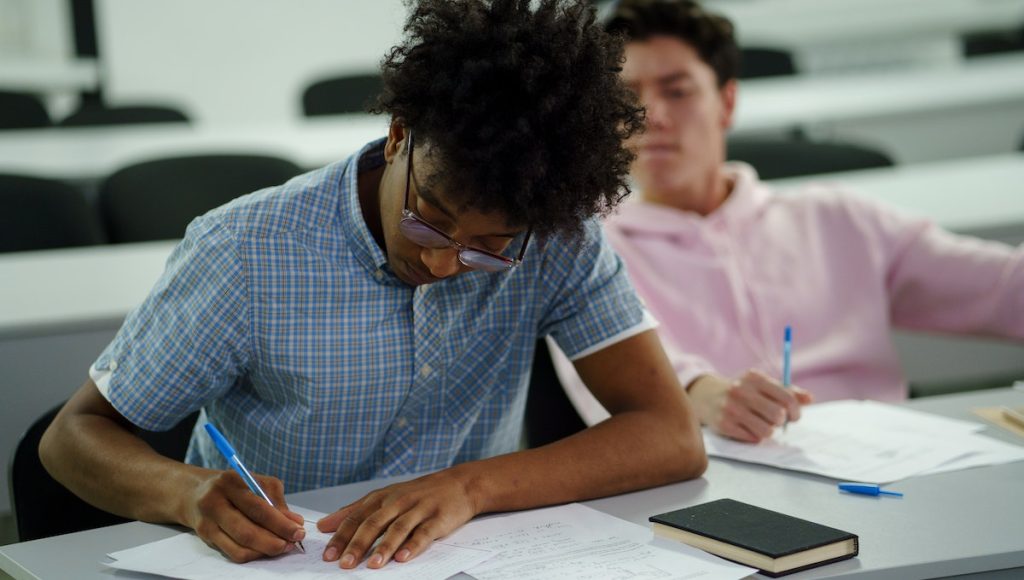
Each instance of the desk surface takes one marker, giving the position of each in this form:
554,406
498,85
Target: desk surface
773,103
95,152
964,195
39,76
806,22
947,524
76,288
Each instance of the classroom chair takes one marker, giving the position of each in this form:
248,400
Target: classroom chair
92,115
22,111
777,158
40,214
758,62
993,42
42,507
550,415
156,200
339,95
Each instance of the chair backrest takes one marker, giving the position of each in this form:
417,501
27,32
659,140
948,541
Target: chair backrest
776,158
758,62
42,507
156,200
346,94
22,111
993,42
39,214
550,415
94,115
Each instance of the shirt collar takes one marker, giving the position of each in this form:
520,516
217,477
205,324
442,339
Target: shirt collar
744,203
360,240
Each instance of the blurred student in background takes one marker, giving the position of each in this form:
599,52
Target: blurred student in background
725,264
378,316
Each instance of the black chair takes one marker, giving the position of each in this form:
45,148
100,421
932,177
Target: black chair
42,507
346,94
156,200
757,62
994,42
39,214
22,111
91,115
549,415
776,158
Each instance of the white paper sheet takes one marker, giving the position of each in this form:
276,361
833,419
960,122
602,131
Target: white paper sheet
576,542
866,441
186,556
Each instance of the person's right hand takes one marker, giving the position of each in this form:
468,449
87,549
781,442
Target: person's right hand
748,408
231,518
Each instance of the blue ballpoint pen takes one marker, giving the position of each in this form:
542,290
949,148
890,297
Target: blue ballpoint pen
787,347
228,452
866,489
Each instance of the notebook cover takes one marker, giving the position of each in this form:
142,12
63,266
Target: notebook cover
757,529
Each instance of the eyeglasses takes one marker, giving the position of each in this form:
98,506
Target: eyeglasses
422,233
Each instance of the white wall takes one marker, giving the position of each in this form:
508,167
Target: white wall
236,61
38,29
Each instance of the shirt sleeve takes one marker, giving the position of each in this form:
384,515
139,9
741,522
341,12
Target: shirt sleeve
943,282
592,303
187,343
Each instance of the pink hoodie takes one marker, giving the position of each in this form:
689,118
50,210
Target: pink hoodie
838,268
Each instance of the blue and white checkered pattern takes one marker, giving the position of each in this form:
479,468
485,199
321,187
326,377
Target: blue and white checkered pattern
278,315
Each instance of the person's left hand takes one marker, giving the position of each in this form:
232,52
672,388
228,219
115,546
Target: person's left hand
407,517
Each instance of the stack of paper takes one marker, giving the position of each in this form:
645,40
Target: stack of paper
566,542
870,442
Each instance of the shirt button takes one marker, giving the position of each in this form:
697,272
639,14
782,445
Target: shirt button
401,423
425,371
113,365
377,274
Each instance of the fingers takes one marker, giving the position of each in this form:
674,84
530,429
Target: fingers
359,529
775,403
241,524
398,522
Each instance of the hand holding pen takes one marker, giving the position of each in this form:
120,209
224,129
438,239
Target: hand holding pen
233,511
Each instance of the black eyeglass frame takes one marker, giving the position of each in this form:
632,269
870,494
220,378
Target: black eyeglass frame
500,264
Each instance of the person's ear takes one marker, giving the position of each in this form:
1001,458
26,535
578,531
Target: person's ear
727,96
397,134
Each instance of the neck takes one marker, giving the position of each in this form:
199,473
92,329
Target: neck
369,202
703,196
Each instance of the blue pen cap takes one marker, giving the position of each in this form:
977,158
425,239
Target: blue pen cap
222,444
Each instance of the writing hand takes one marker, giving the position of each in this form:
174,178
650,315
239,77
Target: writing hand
229,517
748,408
406,517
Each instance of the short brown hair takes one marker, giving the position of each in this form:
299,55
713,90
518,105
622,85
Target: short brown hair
711,35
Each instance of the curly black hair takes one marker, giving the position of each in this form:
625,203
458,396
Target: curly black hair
711,35
522,108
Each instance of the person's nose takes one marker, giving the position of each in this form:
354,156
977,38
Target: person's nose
442,262
656,115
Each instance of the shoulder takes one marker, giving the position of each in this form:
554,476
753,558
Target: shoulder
306,202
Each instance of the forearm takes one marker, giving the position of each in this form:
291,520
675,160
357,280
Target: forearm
629,451
102,461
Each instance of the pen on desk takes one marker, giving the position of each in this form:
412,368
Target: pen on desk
228,452
787,348
866,489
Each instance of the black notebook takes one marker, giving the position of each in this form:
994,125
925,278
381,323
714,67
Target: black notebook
770,541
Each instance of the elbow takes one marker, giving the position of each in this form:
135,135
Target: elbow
49,449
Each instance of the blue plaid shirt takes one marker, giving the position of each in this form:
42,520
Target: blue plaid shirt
278,316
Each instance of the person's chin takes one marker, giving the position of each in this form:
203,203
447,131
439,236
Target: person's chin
415,277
